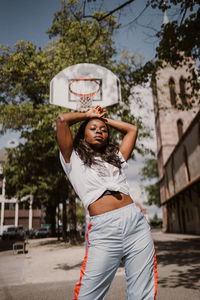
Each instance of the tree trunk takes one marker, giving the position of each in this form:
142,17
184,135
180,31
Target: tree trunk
64,191
64,220
73,235
50,217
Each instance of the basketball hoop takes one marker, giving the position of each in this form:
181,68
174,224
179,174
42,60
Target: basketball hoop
84,89
84,86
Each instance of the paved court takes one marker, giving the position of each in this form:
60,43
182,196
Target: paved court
50,270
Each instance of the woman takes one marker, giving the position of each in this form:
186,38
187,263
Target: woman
117,229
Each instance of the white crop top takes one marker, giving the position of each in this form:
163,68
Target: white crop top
90,183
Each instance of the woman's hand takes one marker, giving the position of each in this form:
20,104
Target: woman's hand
97,112
130,135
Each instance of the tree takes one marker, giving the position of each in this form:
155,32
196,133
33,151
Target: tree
33,167
180,40
155,222
181,35
25,74
150,172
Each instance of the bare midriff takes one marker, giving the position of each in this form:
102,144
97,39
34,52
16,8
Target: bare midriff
108,203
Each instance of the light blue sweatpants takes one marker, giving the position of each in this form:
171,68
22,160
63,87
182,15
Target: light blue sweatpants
119,234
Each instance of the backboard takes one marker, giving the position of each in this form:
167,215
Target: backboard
84,86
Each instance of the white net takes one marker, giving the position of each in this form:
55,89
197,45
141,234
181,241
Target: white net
85,103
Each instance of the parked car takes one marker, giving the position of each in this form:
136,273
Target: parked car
43,232
31,233
59,230
14,233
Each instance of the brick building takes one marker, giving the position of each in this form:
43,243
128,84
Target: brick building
16,212
178,145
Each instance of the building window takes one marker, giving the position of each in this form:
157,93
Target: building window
7,206
188,214
26,205
180,128
191,212
12,206
173,171
172,91
21,205
158,134
167,185
182,90
154,85
186,166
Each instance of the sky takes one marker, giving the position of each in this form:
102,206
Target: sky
28,20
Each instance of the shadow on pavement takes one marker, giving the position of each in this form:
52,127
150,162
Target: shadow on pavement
184,258
44,291
66,267
6,245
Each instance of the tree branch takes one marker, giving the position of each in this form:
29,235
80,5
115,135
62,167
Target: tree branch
134,20
183,16
111,12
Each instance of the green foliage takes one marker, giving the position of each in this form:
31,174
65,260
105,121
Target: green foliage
155,217
150,172
156,222
180,40
80,213
83,41
25,74
153,192
33,167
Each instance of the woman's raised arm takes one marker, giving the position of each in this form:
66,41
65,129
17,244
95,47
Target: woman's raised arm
130,134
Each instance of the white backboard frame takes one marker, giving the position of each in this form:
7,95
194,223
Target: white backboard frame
110,88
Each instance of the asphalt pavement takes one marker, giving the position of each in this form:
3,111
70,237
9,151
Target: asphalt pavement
51,269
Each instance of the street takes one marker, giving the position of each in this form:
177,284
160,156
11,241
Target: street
51,268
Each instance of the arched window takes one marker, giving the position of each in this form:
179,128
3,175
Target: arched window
173,176
180,127
182,90
167,185
172,91
154,85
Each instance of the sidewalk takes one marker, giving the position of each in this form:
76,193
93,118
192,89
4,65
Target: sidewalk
178,258
52,267
47,260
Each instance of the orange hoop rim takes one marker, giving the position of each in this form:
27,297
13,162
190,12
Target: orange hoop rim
89,95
